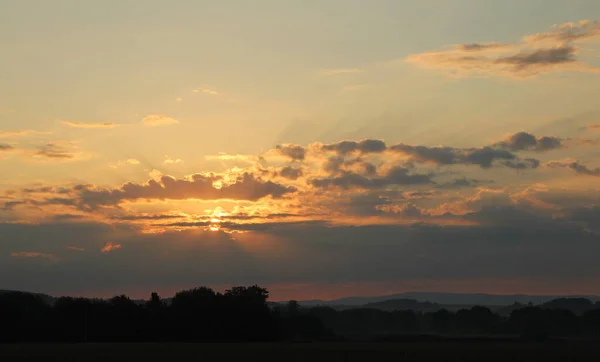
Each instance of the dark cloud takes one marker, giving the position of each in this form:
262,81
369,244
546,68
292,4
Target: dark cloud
500,153
262,226
589,216
510,242
575,166
6,147
394,176
10,205
43,189
437,155
524,141
56,151
538,53
540,58
245,187
295,152
483,157
146,217
478,47
364,146
463,183
568,32
522,164
291,173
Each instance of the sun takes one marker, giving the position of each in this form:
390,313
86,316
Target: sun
215,219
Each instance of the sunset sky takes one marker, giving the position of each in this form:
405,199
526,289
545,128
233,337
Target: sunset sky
319,148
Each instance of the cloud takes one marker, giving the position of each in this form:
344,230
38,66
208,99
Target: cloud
110,247
522,164
529,250
523,141
481,47
394,176
64,151
291,173
582,30
157,120
593,127
207,91
6,147
531,57
243,187
295,152
461,183
11,134
363,146
172,161
500,153
129,161
484,157
90,125
58,151
34,254
144,217
576,166
74,248
338,71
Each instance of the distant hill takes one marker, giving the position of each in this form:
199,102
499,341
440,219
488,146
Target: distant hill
404,304
464,299
46,298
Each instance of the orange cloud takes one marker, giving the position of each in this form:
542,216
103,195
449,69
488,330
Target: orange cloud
536,54
108,247
75,248
34,254
207,91
157,120
90,125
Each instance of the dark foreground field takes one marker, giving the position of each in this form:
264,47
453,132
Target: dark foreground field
365,352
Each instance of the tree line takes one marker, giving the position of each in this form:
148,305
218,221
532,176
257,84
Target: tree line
243,314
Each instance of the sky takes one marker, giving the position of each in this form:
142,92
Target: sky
318,148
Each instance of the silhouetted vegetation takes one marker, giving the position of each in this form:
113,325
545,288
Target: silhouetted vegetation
243,314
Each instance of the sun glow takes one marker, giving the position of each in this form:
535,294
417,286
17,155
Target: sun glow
215,218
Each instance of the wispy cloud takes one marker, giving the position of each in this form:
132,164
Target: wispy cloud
33,254
172,161
6,147
58,151
536,54
337,71
22,133
157,120
62,150
89,125
108,247
593,127
576,166
207,91
75,248
130,161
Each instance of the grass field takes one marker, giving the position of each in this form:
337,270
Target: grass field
313,352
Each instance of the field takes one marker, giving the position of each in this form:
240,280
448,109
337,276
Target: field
488,351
